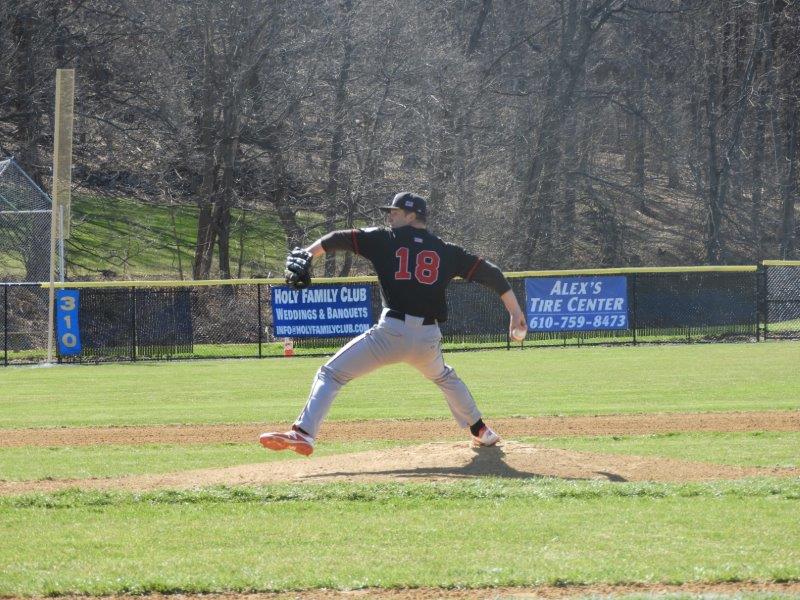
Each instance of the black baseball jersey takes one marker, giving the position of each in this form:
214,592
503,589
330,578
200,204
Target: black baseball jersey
414,266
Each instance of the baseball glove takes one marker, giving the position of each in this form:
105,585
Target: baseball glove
298,269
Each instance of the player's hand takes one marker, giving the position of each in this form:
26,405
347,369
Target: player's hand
298,268
517,325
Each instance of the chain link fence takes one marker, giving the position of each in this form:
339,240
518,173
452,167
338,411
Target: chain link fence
234,320
24,323
25,214
781,305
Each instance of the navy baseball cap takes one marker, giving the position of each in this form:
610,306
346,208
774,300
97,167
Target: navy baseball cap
409,202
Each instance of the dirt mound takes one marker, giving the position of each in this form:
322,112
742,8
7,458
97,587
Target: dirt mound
410,430
443,461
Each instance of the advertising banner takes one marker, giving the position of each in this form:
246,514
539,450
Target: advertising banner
576,303
321,311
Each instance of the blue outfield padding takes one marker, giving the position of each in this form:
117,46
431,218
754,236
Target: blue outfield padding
68,331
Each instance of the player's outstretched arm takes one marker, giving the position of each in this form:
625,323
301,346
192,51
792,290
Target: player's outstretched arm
517,316
492,277
316,248
298,263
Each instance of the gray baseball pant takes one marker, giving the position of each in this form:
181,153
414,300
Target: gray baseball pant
390,341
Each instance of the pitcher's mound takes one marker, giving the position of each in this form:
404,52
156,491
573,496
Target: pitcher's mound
443,461
448,461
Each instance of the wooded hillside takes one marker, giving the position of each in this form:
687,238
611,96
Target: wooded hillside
546,133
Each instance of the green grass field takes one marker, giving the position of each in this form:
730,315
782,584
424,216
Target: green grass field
28,463
479,533
573,381
348,536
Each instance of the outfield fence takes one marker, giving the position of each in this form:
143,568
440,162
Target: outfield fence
781,299
158,320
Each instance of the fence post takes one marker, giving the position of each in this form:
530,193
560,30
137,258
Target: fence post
766,302
133,324
260,324
633,307
5,325
759,300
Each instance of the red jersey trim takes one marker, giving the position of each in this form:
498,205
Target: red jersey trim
473,268
355,241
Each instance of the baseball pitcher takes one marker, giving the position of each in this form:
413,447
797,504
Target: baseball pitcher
414,268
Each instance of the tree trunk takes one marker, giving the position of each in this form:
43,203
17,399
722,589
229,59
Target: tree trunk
337,145
568,205
37,265
547,199
242,230
714,214
696,158
789,184
532,214
226,197
441,164
28,129
540,190
670,154
349,222
280,200
477,29
757,184
204,245
176,238
719,180
759,139
786,152
638,175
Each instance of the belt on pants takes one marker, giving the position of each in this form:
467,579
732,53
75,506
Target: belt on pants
396,314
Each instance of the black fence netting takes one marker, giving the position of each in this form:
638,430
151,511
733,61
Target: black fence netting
782,301
710,305
227,320
24,323
164,322
236,320
106,324
132,323
4,321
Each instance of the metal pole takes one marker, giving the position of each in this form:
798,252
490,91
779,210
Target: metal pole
5,325
52,290
133,324
61,243
633,307
766,303
260,325
757,290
